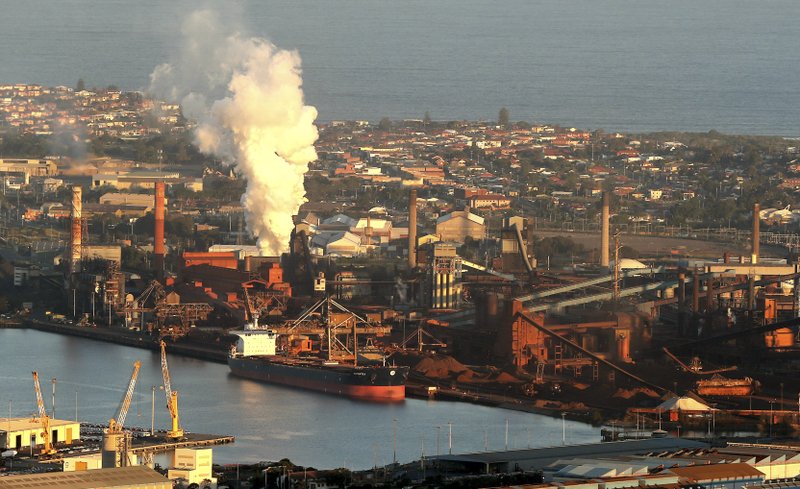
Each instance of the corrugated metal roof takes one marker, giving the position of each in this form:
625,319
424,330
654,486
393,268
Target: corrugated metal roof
546,456
90,479
701,473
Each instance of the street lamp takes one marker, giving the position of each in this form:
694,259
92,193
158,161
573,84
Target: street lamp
563,428
770,417
153,412
450,437
394,441
53,381
439,430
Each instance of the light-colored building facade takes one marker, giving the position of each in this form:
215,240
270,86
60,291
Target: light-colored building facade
193,465
457,225
18,433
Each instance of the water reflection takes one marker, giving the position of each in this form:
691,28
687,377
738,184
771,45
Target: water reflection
269,422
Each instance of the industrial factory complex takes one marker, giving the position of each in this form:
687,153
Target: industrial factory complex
528,267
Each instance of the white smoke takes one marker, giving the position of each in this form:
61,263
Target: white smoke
246,96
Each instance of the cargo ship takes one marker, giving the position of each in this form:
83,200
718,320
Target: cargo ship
255,356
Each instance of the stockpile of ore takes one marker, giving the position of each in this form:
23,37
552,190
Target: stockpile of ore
446,367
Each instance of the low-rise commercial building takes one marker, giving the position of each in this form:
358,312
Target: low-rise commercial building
17,433
137,477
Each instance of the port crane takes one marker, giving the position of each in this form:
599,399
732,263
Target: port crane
43,417
116,423
172,396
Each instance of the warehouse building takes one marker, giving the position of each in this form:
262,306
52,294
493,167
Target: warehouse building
138,477
17,433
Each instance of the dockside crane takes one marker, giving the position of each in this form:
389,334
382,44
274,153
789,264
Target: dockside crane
116,423
43,417
172,396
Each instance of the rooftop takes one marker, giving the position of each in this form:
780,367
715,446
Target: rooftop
28,423
89,479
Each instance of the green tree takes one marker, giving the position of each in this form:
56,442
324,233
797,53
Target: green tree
426,121
385,124
503,117
80,86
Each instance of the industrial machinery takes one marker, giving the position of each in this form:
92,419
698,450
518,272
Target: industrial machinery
172,396
172,317
116,423
116,442
336,327
44,419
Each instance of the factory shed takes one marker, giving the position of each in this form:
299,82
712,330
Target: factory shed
458,225
137,477
17,433
722,476
540,458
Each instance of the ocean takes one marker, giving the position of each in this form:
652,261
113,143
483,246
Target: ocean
728,65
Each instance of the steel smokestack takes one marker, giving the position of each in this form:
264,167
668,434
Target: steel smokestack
412,228
158,236
76,241
604,231
756,232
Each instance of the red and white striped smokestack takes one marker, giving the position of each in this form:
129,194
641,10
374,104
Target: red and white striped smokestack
158,243
604,231
76,241
412,229
756,233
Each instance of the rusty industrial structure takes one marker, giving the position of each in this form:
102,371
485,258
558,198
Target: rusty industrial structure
76,230
412,228
672,325
158,234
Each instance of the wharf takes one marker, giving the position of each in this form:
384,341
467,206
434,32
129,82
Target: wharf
128,338
147,445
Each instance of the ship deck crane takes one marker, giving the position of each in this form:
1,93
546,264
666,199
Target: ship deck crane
116,423
43,417
172,396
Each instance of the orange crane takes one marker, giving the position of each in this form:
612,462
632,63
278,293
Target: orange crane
116,423
43,417
172,396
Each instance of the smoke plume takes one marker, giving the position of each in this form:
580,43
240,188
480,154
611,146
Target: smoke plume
246,96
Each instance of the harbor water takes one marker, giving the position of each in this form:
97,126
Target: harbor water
269,422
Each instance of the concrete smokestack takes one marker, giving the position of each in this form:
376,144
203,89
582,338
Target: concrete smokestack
158,241
756,232
76,241
412,228
604,231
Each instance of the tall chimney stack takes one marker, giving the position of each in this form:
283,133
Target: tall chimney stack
158,237
76,240
756,232
604,231
412,228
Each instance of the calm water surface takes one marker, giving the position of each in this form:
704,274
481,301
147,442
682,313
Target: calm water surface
269,422
730,65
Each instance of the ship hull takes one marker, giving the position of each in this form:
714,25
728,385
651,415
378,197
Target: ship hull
377,384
